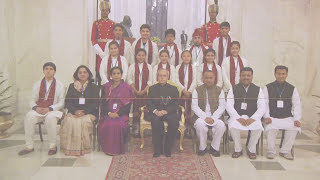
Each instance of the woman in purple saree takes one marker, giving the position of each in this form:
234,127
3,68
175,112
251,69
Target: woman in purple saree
116,104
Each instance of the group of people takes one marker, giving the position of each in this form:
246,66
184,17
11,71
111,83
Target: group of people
210,82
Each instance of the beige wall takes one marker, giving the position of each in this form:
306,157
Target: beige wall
271,32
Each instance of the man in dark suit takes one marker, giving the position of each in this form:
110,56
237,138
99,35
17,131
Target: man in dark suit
184,41
162,104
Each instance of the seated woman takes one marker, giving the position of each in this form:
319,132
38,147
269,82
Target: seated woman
82,101
116,103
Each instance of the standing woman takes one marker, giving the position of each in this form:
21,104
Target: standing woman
82,102
140,78
116,103
186,77
164,64
113,60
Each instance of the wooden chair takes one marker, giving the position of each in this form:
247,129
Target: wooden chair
147,125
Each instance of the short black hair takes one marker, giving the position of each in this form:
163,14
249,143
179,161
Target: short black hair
141,50
118,25
205,71
49,64
164,51
225,24
246,69
145,26
236,43
75,74
170,31
114,68
209,50
115,43
280,67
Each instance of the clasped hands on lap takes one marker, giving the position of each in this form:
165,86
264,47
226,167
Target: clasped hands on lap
269,121
42,110
247,122
161,113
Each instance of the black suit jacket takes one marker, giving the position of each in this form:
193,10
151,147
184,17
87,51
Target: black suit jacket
162,98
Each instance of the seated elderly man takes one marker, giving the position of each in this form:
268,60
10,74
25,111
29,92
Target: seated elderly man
246,106
283,111
162,104
47,99
208,105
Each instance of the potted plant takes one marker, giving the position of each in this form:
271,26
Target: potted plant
6,120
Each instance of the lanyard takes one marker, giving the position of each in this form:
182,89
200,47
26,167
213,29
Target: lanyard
115,64
82,90
245,95
198,53
281,92
45,86
237,64
185,71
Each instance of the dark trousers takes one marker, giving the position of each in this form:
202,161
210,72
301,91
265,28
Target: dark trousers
157,124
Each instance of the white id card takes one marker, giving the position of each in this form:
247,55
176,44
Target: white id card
82,100
244,106
115,106
279,104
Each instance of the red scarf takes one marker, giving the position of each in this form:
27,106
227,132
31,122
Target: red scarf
233,69
150,51
109,65
145,76
42,94
121,46
176,52
181,75
168,68
214,69
221,50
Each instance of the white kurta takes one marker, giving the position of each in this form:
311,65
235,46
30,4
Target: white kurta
286,123
201,126
131,75
226,71
186,77
233,123
155,56
219,71
164,66
127,51
215,46
50,118
207,113
197,55
58,102
114,63
172,55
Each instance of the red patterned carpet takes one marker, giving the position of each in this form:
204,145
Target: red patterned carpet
137,165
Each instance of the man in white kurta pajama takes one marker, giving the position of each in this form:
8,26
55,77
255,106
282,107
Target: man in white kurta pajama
246,106
208,105
42,111
283,111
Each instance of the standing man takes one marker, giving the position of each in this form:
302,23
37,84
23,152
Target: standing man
198,49
283,111
184,40
211,29
102,32
146,43
246,106
208,105
172,47
162,104
46,102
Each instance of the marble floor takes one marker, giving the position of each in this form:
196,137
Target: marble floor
39,166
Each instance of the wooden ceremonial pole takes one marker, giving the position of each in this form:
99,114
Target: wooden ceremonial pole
205,22
98,81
